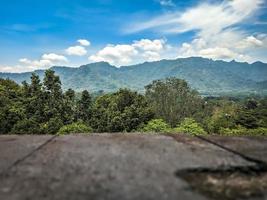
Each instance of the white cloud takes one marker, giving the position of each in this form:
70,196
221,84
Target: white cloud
217,27
84,42
54,57
149,45
166,2
76,51
36,63
207,18
16,68
125,54
115,54
151,56
46,61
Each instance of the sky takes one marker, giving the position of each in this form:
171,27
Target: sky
38,34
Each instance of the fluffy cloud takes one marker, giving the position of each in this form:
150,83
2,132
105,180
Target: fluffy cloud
115,54
217,27
166,2
84,42
149,45
76,51
46,61
207,18
16,68
124,54
54,57
36,63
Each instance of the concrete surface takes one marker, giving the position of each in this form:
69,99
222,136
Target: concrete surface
108,166
254,147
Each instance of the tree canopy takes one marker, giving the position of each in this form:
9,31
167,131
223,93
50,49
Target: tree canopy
169,105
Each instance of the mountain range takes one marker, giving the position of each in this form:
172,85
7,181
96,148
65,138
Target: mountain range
207,76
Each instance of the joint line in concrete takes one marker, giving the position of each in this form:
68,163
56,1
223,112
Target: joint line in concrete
18,161
260,163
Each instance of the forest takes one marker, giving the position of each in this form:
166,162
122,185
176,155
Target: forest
167,106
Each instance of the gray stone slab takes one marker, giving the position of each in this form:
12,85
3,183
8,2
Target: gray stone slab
112,166
254,147
13,148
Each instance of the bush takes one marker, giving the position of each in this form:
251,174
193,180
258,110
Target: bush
257,131
75,128
190,126
156,125
52,126
26,126
239,131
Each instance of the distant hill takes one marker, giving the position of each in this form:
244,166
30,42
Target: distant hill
207,76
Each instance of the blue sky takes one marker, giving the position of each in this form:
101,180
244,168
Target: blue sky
39,34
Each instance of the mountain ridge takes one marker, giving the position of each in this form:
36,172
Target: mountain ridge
205,75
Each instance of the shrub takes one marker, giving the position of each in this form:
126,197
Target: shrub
239,131
156,125
257,131
190,126
52,126
26,126
74,128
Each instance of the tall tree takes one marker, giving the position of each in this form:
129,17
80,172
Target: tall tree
11,105
69,106
173,100
84,107
53,95
34,98
121,111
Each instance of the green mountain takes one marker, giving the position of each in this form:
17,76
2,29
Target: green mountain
207,76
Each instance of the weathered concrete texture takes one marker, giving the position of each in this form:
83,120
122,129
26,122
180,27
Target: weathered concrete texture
13,148
111,166
254,147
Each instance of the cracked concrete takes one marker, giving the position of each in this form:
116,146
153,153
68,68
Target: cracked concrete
108,166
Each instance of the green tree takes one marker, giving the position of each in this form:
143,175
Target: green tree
173,100
261,111
121,111
34,99
223,116
11,105
69,106
84,107
53,95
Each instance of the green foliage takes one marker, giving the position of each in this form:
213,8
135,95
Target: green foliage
84,107
42,108
52,126
247,119
11,105
77,127
26,126
223,116
190,126
69,106
173,100
156,125
239,131
121,111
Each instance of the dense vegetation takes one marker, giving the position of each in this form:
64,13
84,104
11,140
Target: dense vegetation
205,75
168,105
